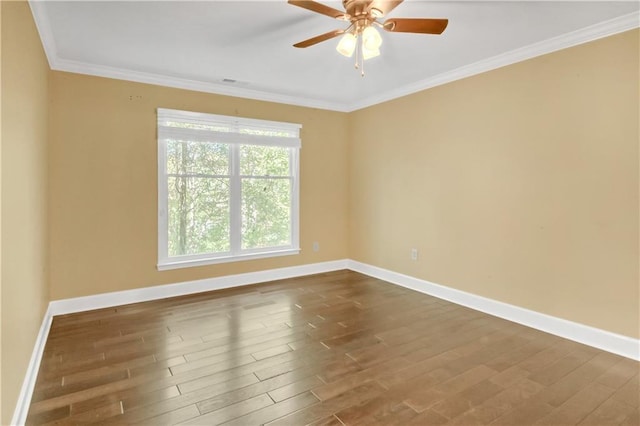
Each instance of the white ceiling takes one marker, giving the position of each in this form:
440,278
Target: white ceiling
196,45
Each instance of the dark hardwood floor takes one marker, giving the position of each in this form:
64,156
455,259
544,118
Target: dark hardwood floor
330,349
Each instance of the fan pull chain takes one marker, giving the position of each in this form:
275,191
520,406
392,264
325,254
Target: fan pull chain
362,57
357,55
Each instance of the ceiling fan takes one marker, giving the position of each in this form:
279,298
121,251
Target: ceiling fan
364,17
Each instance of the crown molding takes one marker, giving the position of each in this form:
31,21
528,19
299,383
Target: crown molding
584,35
44,29
187,84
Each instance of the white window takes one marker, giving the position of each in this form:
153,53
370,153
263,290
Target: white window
227,188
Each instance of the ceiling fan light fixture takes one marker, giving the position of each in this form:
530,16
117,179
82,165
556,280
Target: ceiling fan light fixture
361,39
371,39
347,45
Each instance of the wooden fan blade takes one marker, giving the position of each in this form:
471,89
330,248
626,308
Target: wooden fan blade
384,6
319,39
411,25
314,6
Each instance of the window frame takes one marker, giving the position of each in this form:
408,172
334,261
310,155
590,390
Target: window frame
235,140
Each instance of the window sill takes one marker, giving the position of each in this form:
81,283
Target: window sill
168,265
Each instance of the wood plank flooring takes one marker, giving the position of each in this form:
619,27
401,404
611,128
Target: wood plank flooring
330,349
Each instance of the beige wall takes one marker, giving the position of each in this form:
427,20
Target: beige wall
103,189
520,184
24,288
1,411
503,181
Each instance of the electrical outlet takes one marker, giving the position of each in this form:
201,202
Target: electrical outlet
316,246
414,254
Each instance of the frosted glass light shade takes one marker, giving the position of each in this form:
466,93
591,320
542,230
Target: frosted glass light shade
368,53
371,39
347,45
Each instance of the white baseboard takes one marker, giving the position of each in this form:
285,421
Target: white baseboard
117,298
29,382
601,339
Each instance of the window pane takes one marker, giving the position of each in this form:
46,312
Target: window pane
188,157
256,160
266,213
198,215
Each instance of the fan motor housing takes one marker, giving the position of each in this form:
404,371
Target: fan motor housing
357,9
